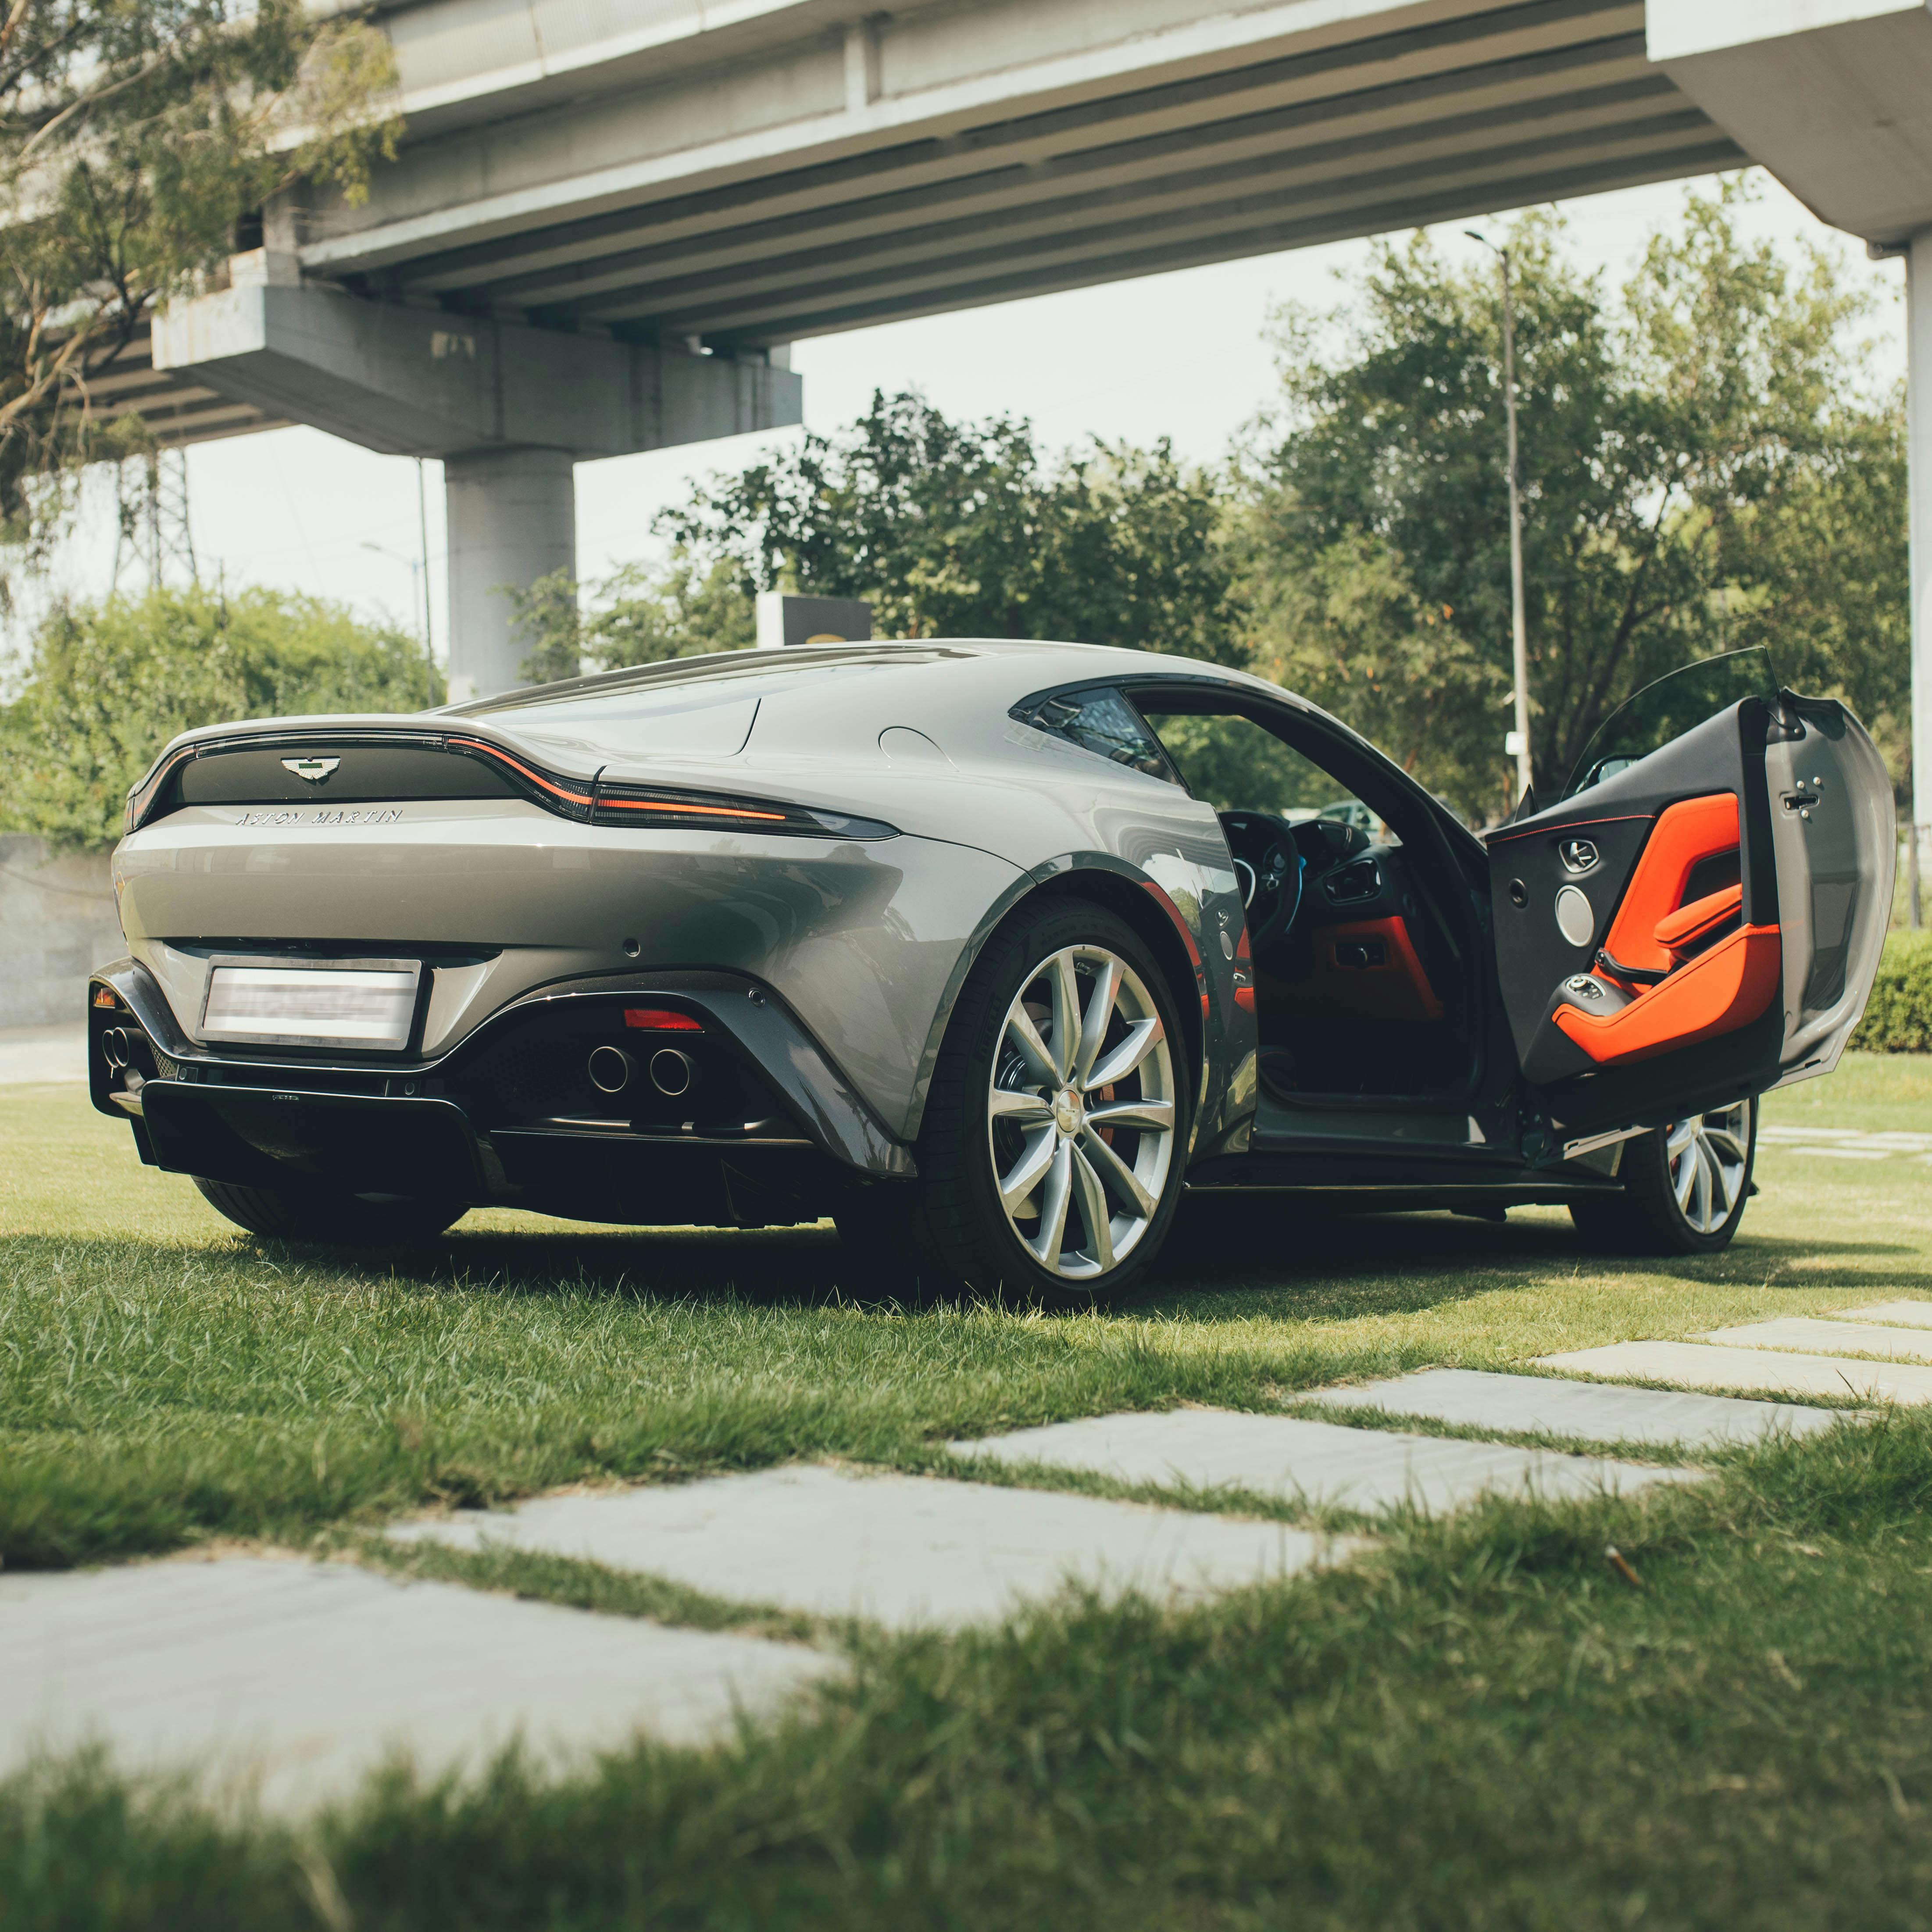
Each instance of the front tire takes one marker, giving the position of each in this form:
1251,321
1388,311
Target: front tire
1685,1187
1050,1153
322,1215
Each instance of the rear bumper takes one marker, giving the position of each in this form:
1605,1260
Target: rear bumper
773,1133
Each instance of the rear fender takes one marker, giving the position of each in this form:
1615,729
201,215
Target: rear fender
1205,976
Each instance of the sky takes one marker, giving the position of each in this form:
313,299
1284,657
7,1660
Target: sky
1182,355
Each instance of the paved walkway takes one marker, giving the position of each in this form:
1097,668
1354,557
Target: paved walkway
903,1551
1847,1143
292,1680
296,1678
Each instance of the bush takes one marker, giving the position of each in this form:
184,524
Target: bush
107,685
1898,1016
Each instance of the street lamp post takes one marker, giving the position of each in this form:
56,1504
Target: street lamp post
1518,640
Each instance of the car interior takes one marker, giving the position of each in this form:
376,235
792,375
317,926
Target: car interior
1360,989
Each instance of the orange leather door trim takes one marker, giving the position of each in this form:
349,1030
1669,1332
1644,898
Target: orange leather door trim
1716,993
1698,920
1685,835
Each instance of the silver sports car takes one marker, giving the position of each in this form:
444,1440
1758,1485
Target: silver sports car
989,950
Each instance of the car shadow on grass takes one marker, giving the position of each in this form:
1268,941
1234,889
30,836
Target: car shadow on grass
1237,1263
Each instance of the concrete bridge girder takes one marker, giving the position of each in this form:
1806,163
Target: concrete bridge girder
509,410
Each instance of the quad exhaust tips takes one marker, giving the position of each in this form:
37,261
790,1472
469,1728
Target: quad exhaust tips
671,1072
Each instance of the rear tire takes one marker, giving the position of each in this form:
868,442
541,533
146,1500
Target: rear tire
1685,1187
340,1220
1055,1132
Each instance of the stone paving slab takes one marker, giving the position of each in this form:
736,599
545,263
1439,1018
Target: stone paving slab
1890,1314
1838,1337
299,1677
1593,1411
1847,1143
1323,1462
904,1551
1702,1365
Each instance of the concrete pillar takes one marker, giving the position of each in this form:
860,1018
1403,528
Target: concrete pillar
512,519
1919,457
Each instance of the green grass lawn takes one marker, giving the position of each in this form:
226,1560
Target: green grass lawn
1482,1724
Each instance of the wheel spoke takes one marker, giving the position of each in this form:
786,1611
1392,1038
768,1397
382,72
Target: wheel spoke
1094,1209
1684,1174
1024,1175
1065,1015
1118,1176
1725,1145
1720,1183
1024,1107
1093,1028
1700,1195
1143,1036
1679,1136
1045,1245
1026,1040
1147,1116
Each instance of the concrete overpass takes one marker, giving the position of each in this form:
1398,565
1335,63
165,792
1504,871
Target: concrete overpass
609,218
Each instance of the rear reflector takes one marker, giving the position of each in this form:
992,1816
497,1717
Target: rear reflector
660,1019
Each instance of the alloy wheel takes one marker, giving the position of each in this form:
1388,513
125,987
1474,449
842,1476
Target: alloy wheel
1708,1155
1080,1112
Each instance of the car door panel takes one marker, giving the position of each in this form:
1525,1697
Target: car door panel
1831,819
1668,830
1535,954
1727,932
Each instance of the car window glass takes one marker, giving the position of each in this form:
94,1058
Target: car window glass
1669,708
1235,765
1103,722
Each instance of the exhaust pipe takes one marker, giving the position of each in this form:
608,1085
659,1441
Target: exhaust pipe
610,1069
672,1072
114,1046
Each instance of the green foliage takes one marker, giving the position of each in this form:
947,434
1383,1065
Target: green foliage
108,685
967,530
1236,766
135,135
1898,1015
633,616
1699,472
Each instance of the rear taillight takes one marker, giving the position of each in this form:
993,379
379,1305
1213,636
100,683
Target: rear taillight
719,811
570,797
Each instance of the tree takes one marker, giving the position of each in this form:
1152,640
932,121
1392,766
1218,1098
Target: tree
135,136
108,685
1686,452
634,615
966,529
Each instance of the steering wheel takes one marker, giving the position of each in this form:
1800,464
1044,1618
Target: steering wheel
1269,864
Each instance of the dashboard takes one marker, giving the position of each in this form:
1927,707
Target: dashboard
1333,918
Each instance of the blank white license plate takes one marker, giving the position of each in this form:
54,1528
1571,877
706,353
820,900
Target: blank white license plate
365,1004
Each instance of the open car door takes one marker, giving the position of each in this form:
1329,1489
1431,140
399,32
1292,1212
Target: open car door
1699,918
